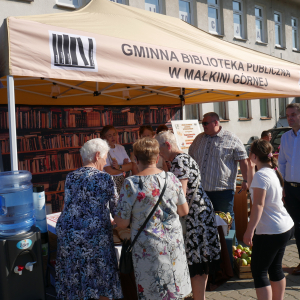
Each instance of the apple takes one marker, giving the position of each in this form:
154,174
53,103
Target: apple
244,262
240,247
238,253
244,255
246,249
249,253
235,257
233,248
248,260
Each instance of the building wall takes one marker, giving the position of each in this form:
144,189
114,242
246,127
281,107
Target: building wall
199,9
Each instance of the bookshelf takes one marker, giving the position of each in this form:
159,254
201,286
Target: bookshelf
49,137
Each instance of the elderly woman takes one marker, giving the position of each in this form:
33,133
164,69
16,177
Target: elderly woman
159,258
201,239
117,161
86,265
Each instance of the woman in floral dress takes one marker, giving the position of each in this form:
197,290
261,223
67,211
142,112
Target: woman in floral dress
86,265
159,259
201,240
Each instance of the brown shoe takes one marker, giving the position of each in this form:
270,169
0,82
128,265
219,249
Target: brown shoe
296,271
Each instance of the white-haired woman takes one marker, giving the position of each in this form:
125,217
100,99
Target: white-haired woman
86,265
201,239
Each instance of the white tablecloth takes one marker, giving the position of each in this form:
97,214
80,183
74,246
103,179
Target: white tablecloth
52,220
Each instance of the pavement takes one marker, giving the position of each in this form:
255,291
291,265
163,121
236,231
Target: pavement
243,289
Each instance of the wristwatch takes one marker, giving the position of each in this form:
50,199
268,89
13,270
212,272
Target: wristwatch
120,167
244,180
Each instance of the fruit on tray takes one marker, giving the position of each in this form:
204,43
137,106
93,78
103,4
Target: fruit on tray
226,217
242,253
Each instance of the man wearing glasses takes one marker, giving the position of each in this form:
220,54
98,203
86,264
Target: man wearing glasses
289,166
217,152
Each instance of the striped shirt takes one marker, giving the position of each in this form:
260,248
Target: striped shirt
217,158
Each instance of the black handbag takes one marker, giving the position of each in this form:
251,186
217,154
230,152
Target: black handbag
126,264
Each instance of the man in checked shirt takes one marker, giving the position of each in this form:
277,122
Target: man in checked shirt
217,152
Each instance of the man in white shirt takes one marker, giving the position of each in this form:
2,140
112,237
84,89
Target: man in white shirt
289,166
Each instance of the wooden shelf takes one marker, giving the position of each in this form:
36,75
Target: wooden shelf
51,172
43,150
53,192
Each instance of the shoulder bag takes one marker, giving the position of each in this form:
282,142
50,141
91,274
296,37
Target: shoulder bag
183,219
126,264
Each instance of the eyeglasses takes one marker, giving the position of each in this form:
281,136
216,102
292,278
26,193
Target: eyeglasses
206,123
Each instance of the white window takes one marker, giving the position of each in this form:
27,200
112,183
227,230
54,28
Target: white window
220,108
259,24
152,5
282,105
118,1
278,29
185,11
213,16
72,3
238,18
192,112
264,108
244,109
295,33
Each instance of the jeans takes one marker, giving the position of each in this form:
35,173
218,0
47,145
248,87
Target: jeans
292,205
223,201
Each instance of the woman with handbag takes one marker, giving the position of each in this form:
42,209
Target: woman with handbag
201,237
117,162
151,204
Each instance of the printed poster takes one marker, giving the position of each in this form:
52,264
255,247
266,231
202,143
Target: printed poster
185,132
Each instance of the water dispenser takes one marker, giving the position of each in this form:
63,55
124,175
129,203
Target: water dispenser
21,265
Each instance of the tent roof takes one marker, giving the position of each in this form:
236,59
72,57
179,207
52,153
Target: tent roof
125,48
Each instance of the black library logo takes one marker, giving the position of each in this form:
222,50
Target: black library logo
72,52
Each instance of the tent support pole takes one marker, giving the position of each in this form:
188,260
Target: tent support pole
12,123
183,115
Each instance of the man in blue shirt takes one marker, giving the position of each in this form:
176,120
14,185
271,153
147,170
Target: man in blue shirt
289,165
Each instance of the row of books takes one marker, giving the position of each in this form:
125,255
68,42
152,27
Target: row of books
35,142
50,162
28,117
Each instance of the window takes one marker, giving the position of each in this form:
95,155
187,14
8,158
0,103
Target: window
278,29
297,100
259,23
118,1
243,109
282,106
71,3
185,11
264,108
213,16
237,18
295,33
192,112
221,109
152,5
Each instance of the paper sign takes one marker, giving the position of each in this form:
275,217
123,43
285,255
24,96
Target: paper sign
185,132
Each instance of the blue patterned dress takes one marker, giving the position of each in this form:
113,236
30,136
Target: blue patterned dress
159,260
86,264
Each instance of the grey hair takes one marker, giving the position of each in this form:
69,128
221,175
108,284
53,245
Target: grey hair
212,115
91,147
167,136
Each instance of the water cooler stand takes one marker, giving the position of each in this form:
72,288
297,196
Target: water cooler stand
21,267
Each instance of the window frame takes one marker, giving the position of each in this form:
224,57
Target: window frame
262,39
268,109
280,26
116,1
159,6
225,108
191,10
248,107
284,106
296,29
241,13
218,8
197,111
